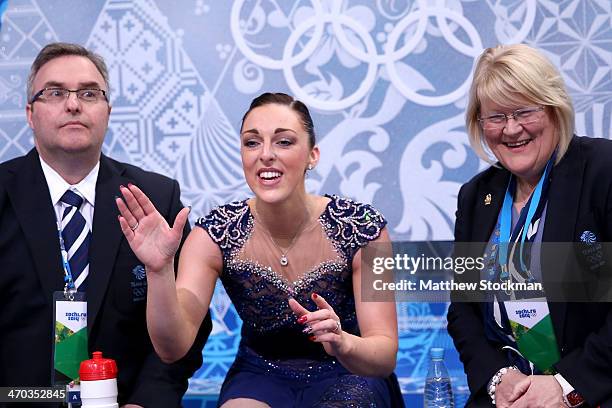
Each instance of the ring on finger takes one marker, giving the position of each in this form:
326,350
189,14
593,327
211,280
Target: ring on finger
134,227
338,328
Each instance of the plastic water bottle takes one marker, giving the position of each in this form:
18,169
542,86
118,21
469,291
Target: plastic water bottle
98,382
438,390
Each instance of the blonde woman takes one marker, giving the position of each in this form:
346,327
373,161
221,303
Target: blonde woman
545,185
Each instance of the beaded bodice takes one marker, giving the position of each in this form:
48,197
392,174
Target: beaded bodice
260,289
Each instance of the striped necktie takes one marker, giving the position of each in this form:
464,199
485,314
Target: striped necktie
76,236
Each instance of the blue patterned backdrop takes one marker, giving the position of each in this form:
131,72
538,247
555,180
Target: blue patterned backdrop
386,80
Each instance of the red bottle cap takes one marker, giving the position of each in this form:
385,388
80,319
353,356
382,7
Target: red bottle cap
98,368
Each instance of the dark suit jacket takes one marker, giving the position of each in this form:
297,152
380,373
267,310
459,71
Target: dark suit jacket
30,271
579,199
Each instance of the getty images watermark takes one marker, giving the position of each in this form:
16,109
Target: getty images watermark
440,271
433,264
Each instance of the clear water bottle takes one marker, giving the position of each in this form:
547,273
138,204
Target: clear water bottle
438,390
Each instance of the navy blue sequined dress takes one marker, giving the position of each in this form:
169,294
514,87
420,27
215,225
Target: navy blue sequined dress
276,363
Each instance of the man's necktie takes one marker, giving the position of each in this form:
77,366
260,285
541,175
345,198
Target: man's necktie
76,236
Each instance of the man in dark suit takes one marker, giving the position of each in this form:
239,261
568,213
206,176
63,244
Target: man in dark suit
68,111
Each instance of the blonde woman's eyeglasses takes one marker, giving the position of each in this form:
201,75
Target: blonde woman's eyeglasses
523,116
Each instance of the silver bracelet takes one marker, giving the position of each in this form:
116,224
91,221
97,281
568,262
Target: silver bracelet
496,380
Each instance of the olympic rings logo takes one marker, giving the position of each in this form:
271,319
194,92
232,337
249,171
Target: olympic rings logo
408,32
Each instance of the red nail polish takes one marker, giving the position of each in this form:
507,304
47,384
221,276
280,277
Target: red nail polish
302,319
314,295
130,185
312,338
121,186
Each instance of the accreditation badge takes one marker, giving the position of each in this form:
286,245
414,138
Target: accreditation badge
533,332
69,336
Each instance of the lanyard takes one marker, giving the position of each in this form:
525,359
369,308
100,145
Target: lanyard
69,288
505,235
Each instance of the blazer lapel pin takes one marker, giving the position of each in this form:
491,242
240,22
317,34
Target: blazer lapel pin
487,200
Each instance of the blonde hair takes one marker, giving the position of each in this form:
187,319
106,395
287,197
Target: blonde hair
509,74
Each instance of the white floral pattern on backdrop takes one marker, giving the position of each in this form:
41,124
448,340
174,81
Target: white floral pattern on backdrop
386,81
